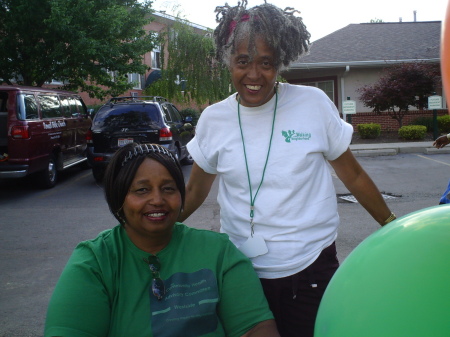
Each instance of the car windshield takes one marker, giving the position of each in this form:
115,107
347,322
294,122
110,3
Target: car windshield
129,115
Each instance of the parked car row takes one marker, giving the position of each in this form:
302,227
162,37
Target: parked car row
44,131
146,119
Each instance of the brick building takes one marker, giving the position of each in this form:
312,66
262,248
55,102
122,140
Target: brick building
356,55
161,22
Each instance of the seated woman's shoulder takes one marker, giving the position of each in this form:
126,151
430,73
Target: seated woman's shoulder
200,233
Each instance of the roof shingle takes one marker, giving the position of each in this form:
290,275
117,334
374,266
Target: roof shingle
378,42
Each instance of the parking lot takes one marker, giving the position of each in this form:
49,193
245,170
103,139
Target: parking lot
40,228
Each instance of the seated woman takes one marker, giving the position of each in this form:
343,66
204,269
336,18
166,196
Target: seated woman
151,276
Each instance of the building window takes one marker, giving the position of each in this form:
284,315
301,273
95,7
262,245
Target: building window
112,74
326,86
55,82
135,79
156,53
156,58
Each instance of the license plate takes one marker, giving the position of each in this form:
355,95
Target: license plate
124,141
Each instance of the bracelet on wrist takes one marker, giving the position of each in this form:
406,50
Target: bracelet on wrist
391,218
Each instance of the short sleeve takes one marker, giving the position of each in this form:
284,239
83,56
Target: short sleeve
204,147
242,304
196,153
339,133
79,306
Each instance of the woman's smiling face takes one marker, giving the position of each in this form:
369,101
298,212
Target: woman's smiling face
152,205
254,78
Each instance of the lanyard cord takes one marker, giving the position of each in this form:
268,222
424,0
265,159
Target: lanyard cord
252,199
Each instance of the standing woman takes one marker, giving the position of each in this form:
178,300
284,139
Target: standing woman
271,144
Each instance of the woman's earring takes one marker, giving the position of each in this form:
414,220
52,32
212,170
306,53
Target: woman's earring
122,220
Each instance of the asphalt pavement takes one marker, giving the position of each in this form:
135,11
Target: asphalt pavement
391,149
31,265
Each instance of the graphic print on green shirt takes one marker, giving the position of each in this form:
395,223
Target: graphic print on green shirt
188,308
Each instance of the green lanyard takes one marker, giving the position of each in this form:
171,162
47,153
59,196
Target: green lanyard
252,199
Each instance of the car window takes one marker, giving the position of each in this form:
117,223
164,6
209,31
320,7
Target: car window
79,106
74,107
50,106
134,115
65,104
176,116
3,100
3,119
167,116
27,107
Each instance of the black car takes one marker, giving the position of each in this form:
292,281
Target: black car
147,119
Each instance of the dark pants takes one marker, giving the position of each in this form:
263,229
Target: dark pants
294,300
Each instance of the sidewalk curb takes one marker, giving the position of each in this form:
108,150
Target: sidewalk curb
392,149
374,152
433,150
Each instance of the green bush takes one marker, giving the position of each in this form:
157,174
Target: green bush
412,132
192,113
444,123
369,130
425,121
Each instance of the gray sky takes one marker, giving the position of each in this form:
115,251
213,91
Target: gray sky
320,17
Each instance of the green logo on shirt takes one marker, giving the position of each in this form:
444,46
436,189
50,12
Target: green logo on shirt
189,308
292,135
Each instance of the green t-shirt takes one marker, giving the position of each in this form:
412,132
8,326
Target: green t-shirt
105,289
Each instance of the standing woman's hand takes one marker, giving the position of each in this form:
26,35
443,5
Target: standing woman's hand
441,141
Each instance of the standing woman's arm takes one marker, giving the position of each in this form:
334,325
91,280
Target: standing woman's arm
361,186
197,190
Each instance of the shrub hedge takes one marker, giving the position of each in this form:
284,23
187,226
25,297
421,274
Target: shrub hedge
412,132
369,130
444,124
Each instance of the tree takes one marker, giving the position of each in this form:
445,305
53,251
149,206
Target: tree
78,42
402,86
189,71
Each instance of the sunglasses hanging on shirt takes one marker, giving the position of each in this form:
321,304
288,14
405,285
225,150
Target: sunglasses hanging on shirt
158,288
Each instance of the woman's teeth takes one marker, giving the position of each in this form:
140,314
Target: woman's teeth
253,87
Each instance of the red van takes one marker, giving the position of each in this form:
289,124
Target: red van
42,131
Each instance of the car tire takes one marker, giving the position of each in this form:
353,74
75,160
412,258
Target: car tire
48,177
98,174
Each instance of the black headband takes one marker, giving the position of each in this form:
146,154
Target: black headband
144,149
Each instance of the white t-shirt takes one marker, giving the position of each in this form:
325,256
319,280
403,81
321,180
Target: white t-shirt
296,207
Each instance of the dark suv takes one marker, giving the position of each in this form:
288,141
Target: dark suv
146,119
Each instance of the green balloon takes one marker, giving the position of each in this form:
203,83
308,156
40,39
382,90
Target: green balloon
395,283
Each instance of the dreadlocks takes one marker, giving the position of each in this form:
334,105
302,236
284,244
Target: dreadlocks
284,32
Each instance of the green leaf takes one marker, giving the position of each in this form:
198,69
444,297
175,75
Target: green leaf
189,71
75,41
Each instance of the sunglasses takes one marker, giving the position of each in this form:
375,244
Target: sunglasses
158,288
